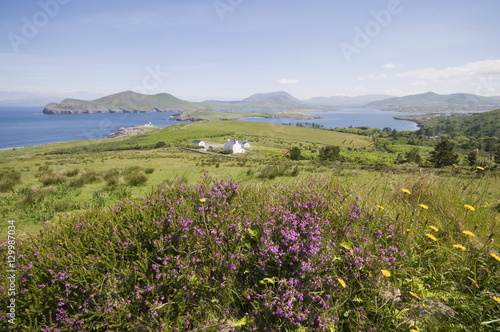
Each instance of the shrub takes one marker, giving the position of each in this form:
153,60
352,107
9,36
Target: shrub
329,153
294,153
272,171
51,178
9,180
71,173
160,144
136,179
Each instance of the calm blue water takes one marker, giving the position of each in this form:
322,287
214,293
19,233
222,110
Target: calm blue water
351,117
28,126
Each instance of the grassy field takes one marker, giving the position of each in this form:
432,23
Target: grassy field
363,243
236,115
56,179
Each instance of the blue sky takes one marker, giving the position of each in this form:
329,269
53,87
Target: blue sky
230,49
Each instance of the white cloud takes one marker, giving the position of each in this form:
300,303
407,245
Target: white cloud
287,81
466,71
389,66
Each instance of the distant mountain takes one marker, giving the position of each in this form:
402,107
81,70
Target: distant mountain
431,101
26,101
17,98
261,101
122,102
343,101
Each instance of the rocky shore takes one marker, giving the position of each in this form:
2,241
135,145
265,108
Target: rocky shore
131,131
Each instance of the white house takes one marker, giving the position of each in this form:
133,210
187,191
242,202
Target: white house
245,144
198,143
234,145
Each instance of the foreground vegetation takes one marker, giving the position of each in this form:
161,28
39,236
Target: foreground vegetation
312,257
137,236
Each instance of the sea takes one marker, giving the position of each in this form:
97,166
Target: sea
28,126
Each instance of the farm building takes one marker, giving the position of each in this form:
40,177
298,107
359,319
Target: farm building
198,143
234,145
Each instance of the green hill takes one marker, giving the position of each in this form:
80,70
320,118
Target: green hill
122,102
478,125
433,102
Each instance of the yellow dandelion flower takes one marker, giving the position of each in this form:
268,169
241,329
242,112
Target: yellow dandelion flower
455,165
203,200
406,191
413,330
459,246
497,299
423,206
380,207
415,295
434,228
430,236
408,230
342,282
480,168
386,273
495,256
469,207
469,233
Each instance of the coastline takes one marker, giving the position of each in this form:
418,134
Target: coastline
131,131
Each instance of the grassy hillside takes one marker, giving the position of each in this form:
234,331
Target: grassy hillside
478,125
123,101
136,237
468,131
236,115
433,102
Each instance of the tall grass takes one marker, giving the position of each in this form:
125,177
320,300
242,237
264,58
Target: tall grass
8,180
306,256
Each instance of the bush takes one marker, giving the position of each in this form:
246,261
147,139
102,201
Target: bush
71,173
49,178
329,153
160,144
9,180
272,171
136,179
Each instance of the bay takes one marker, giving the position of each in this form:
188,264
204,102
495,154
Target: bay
28,126
355,117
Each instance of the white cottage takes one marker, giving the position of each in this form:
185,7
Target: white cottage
198,143
234,145
245,144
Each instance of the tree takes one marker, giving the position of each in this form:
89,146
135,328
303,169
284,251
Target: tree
294,153
329,153
443,154
497,155
413,156
472,158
